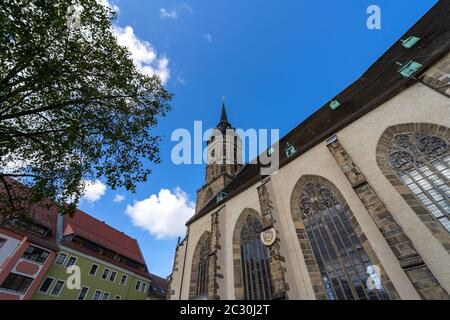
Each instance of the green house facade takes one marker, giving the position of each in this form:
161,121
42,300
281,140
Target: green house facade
94,262
100,280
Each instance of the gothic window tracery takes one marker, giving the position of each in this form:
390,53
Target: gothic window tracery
342,260
422,162
202,269
254,260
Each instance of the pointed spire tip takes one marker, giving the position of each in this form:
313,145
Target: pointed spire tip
223,116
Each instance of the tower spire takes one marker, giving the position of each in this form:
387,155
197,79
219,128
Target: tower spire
223,116
223,124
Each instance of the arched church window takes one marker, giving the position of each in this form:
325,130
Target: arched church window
254,259
422,162
342,260
202,269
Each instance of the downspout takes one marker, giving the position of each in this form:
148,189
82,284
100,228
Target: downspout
59,228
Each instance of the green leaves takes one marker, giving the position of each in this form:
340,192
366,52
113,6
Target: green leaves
73,106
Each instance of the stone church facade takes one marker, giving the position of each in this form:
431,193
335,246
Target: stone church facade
360,205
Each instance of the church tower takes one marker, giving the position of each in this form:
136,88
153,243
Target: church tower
223,159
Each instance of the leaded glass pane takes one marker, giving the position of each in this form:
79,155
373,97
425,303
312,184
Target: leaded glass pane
202,268
341,259
423,164
255,262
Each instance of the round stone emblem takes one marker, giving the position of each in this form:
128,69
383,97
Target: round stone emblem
268,237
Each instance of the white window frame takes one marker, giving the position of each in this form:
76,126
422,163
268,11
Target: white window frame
48,290
87,292
62,262
35,261
99,295
76,259
143,287
103,296
96,270
60,290
138,285
126,280
107,274
115,277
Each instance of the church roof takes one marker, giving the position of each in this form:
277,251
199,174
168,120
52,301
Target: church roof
381,82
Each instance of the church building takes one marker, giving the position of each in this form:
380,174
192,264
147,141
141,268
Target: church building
360,205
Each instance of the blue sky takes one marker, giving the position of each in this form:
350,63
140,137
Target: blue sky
275,61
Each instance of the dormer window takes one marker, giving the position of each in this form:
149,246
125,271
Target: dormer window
290,150
221,196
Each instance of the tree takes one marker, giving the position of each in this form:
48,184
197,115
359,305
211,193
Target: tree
73,107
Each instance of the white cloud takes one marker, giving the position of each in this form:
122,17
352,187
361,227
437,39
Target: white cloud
143,54
208,37
188,8
164,214
119,198
93,190
171,14
181,80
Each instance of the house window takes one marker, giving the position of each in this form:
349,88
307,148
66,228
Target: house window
117,298
97,295
123,280
93,270
46,285
255,262
2,242
112,278
105,296
144,286
342,261
83,293
105,274
36,254
60,259
422,162
57,288
16,282
71,262
138,285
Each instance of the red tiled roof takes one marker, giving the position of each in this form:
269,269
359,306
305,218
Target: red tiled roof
97,255
89,228
44,213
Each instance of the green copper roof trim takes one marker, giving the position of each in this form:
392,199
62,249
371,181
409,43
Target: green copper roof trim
411,41
290,150
409,68
334,104
220,196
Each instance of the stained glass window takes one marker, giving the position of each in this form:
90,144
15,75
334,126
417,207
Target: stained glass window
422,163
341,259
202,269
254,258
